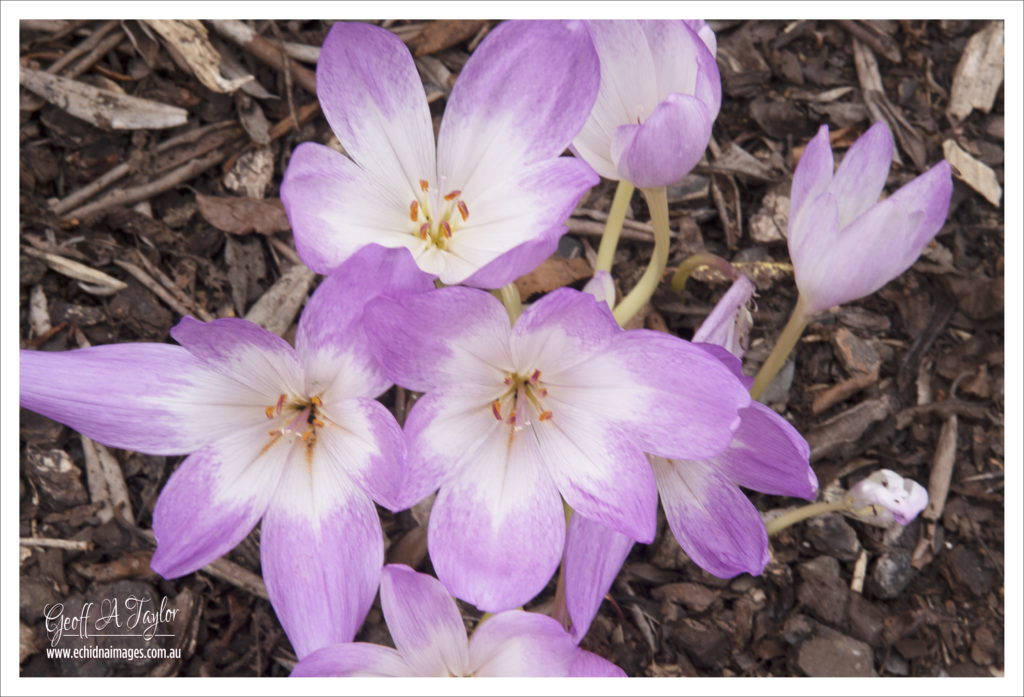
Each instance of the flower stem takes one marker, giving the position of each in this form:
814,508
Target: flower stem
657,202
776,525
559,611
780,352
509,297
613,226
694,262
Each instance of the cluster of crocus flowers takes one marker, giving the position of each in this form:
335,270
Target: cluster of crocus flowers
489,202
290,436
430,641
559,407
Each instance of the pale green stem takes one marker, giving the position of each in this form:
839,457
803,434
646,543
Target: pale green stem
694,262
613,226
657,202
559,611
804,512
780,352
509,297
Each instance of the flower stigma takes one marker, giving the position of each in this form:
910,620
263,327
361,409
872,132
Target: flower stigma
300,420
436,217
521,394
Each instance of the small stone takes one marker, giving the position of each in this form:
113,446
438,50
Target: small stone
983,647
836,657
867,620
831,534
705,643
693,596
796,629
891,573
825,595
897,665
823,566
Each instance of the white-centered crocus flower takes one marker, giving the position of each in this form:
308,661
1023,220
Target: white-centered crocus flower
290,436
430,641
710,516
563,404
887,497
489,202
660,93
844,242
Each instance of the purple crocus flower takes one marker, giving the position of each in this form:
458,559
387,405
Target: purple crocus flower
430,641
711,518
491,202
890,497
843,241
515,418
290,436
660,93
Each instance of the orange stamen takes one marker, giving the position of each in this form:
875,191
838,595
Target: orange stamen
508,381
545,416
535,377
280,404
424,230
317,402
452,195
308,435
496,409
543,392
463,209
270,412
424,185
414,211
318,423
446,228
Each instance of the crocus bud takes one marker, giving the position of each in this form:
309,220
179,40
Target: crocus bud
890,497
660,92
843,241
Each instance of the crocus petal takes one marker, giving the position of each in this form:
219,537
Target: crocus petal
728,324
515,224
602,287
353,660
706,34
599,471
373,99
861,176
562,329
362,437
590,665
523,95
811,243
331,342
667,145
812,178
322,550
521,644
152,398
335,208
214,499
684,62
768,455
245,352
424,621
624,55
496,533
445,431
429,339
594,554
669,395
713,521
928,194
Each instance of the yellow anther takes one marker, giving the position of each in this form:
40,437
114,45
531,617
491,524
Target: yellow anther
496,409
463,210
308,435
424,231
414,211
452,195
545,416
318,423
317,402
269,412
446,228
280,403
424,185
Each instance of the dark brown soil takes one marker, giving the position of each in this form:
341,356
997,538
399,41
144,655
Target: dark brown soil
925,353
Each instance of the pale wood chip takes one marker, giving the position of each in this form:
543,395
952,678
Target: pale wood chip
979,73
942,469
74,269
190,38
276,308
973,172
102,108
